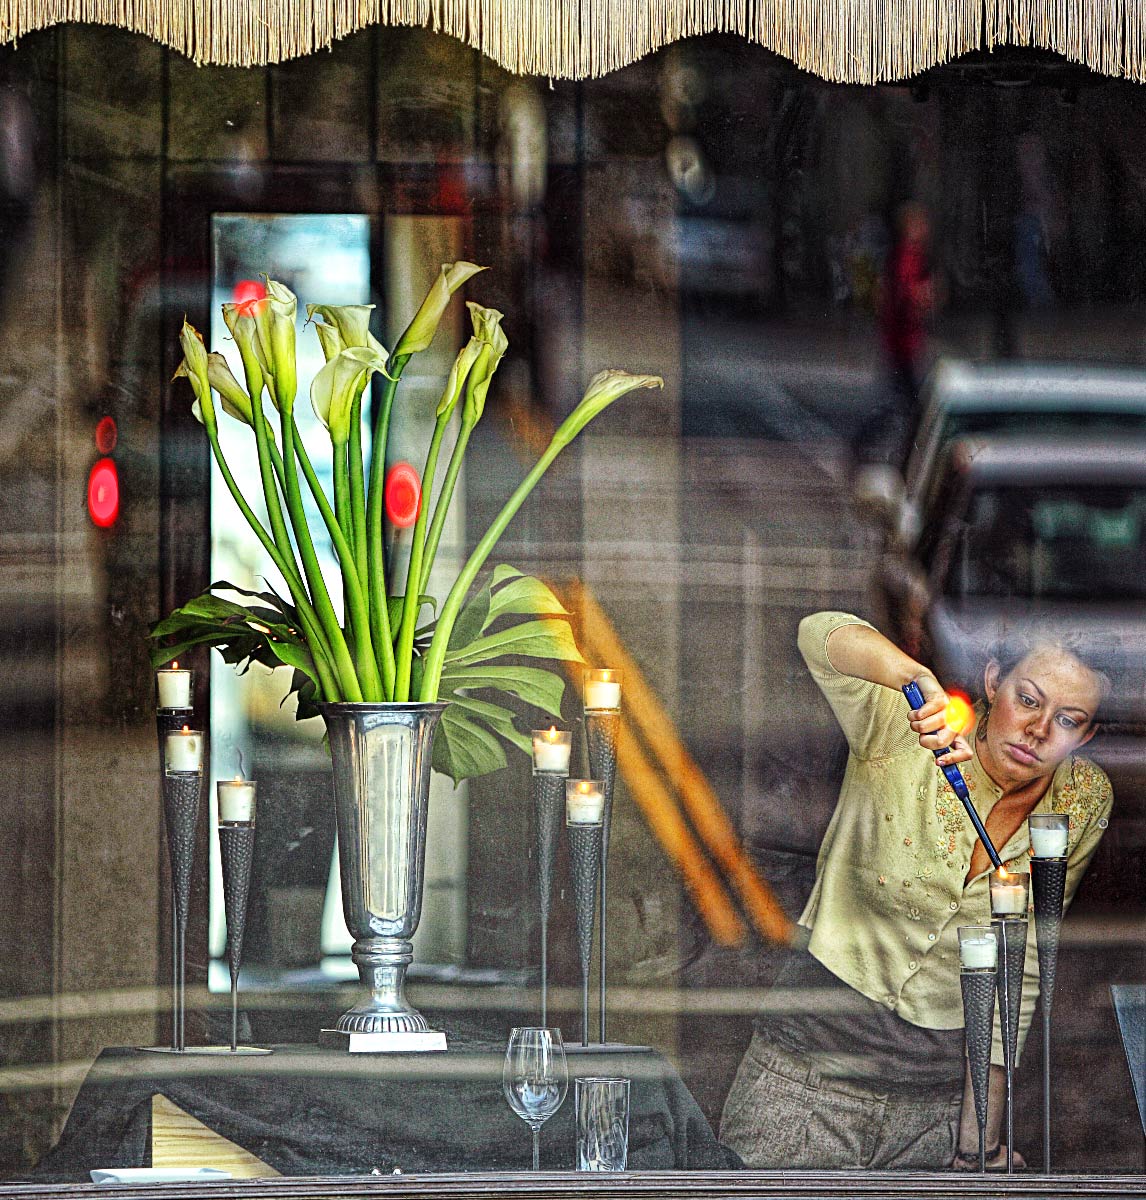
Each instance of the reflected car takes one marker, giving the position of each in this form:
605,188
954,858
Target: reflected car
1019,529
1031,398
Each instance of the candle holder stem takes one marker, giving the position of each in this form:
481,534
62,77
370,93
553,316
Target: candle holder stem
549,810
236,850
1012,935
978,988
181,792
585,852
171,720
602,727
1048,883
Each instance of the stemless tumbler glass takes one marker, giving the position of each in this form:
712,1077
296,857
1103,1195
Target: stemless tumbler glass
602,1124
535,1078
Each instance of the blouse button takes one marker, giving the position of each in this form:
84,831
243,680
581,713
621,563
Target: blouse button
931,937
954,906
913,965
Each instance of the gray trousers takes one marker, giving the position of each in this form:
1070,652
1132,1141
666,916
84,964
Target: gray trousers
781,1114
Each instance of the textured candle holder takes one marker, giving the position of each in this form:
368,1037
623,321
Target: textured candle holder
1012,935
171,720
585,851
978,989
236,851
549,811
181,792
602,728
1048,883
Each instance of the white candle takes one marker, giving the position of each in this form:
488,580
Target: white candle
978,952
1008,895
551,750
184,750
174,687
236,799
602,688
1048,843
584,802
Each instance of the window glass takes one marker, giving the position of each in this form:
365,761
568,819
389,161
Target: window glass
806,268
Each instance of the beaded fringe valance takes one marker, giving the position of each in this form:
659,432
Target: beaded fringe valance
852,41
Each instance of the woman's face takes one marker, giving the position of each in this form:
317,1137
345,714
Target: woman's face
1040,713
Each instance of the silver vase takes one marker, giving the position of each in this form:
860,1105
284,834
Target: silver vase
381,757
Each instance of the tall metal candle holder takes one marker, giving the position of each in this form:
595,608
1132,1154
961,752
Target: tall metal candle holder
173,712
602,728
1048,833
978,969
584,810
236,799
1009,898
182,787
551,752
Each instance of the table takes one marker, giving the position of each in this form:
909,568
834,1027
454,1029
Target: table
310,1111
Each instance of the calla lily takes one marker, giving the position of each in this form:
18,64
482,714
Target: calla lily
194,368
274,325
420,332
236,402
339,384
350,322
603,389
241,324
487,329
459,372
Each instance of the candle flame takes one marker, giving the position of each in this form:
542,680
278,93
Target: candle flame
186,729
585,787
175,665
958,714
551,734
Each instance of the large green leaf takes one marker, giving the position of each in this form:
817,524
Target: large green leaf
462,749
499,719
528,639
531,684
526,596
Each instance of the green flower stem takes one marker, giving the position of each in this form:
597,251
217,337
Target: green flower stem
375,547
307,616
443,506
342,496
343,663
436,655
270,490
357,489
412,601
355,598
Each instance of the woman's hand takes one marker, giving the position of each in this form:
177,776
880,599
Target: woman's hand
930,723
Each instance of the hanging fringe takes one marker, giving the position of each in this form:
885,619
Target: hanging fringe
847,41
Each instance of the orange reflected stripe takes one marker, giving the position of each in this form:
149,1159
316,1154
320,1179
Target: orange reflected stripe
700,801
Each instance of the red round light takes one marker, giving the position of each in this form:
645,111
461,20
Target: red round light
403,495
106,435
103,493
249,294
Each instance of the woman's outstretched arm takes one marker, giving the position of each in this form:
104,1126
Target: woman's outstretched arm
864,653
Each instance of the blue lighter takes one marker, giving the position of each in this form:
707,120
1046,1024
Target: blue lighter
957,782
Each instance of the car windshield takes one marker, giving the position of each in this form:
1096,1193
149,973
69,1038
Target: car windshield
1052,542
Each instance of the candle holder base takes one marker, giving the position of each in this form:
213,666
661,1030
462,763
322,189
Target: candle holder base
978,988
602,729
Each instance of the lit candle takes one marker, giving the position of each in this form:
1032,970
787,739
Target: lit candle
602,688
584,802
236,798
1048,835
183,750
1009,894
174,685
978,948
551,750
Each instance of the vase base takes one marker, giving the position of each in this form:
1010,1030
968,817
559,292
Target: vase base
406,1042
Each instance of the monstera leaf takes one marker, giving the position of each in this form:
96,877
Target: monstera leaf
265,632
469,739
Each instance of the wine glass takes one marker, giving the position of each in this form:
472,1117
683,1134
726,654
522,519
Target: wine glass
535,1078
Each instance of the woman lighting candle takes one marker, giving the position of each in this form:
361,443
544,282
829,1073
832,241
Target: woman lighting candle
900,869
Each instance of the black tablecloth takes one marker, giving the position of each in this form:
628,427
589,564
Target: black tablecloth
310,1111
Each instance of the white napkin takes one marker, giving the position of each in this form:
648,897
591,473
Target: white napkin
158,1174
